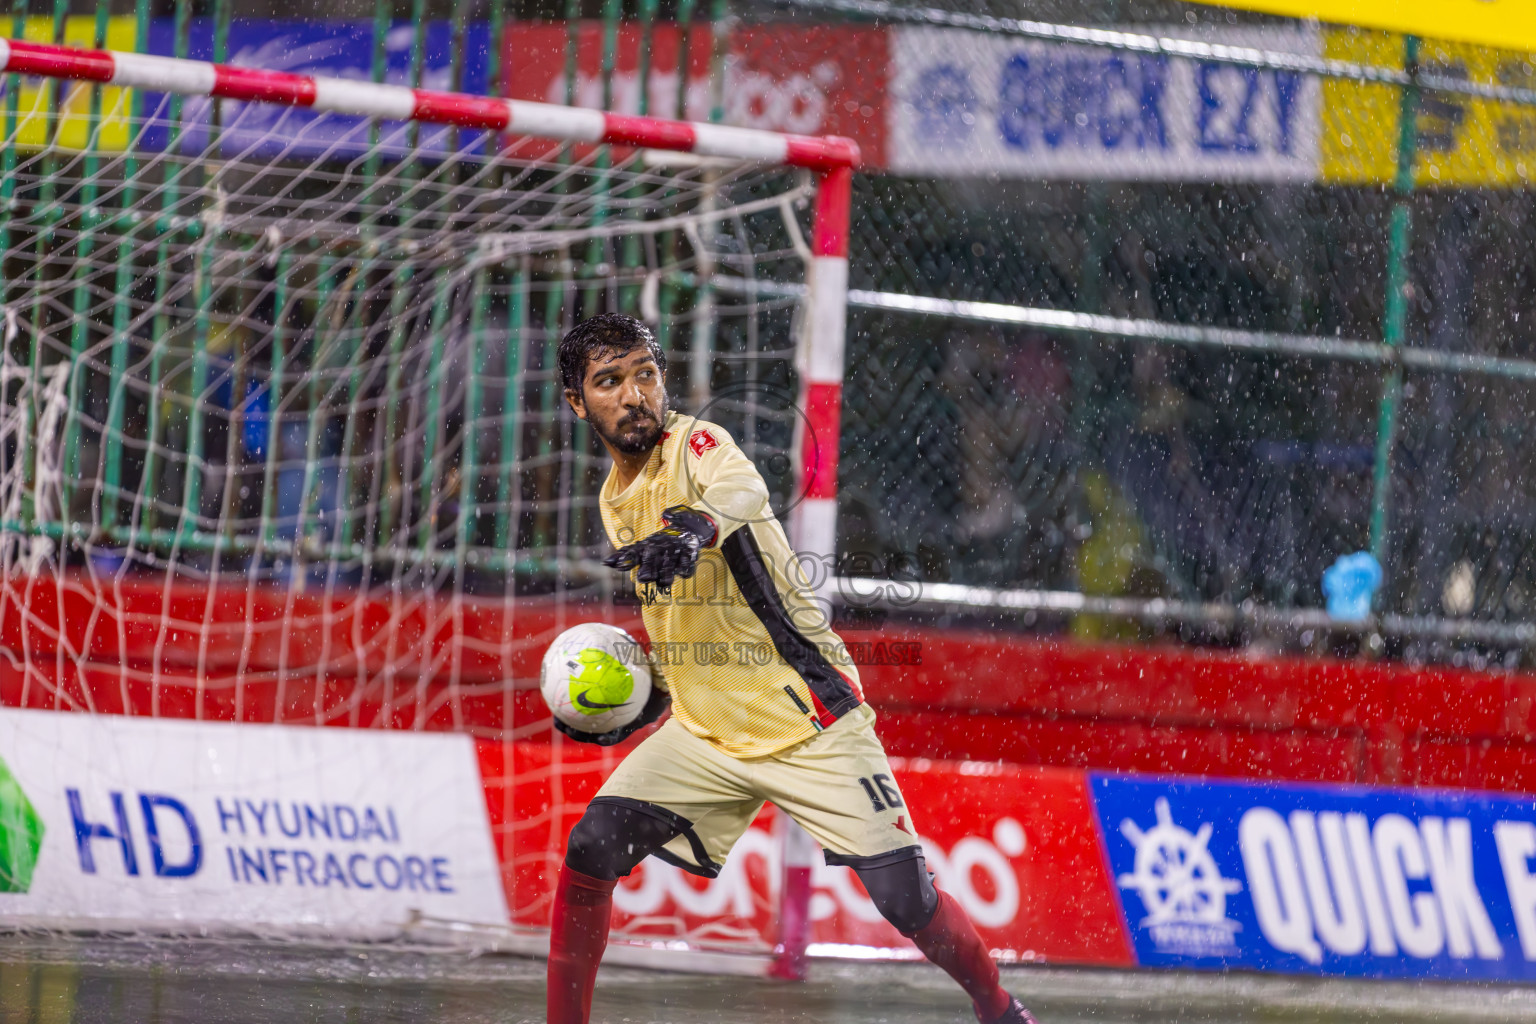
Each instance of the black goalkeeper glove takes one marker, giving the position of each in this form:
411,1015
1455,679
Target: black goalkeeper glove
659,701
669,554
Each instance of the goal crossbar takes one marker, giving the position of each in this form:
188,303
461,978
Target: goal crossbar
402,103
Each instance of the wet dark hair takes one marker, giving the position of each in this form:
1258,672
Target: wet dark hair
606,332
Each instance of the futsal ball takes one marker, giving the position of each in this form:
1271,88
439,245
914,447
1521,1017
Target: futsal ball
595,677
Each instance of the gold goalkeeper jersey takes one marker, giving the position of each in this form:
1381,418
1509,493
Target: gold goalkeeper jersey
749,656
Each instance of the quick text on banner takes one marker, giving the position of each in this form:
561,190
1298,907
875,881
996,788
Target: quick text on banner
1338,880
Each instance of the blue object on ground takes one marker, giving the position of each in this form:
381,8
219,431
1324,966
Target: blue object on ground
1350,583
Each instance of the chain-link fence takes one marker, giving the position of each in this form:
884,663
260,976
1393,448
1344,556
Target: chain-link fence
1203,432
1153,302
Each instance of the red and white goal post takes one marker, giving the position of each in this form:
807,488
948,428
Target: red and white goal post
333,305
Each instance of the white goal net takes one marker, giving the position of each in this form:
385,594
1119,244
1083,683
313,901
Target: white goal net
282,438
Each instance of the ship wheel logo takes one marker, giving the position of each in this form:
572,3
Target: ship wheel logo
1180,885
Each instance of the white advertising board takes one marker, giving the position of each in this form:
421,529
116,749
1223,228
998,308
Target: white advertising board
962,104
182,825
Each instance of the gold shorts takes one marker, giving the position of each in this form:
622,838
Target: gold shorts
837,785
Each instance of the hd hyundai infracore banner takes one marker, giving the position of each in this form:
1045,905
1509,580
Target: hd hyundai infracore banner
135,823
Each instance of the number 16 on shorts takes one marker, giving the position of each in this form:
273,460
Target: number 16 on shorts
880,788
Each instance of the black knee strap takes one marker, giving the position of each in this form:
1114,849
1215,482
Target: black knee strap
614,835
903,892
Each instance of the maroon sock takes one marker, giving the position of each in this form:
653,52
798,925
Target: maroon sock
950,940
577,935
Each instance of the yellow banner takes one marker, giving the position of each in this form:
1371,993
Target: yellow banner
1460,140
1510,24
72,100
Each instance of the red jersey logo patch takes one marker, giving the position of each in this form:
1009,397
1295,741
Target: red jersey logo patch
702,441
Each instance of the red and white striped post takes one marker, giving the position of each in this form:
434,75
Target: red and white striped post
813,523
814,519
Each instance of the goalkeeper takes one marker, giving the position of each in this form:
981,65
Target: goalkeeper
689,515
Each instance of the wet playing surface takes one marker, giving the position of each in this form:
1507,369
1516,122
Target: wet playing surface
53,980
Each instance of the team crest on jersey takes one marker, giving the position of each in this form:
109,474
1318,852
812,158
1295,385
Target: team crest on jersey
702,441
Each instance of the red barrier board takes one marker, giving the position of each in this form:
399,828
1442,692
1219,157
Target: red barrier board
260,653
991,695
1017,847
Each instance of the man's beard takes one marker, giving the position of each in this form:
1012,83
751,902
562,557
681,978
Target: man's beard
636,433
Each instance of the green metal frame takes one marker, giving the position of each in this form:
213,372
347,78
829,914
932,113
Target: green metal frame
1395,321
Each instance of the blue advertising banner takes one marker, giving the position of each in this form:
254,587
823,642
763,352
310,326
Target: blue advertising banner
969,105
1336,880
339,49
